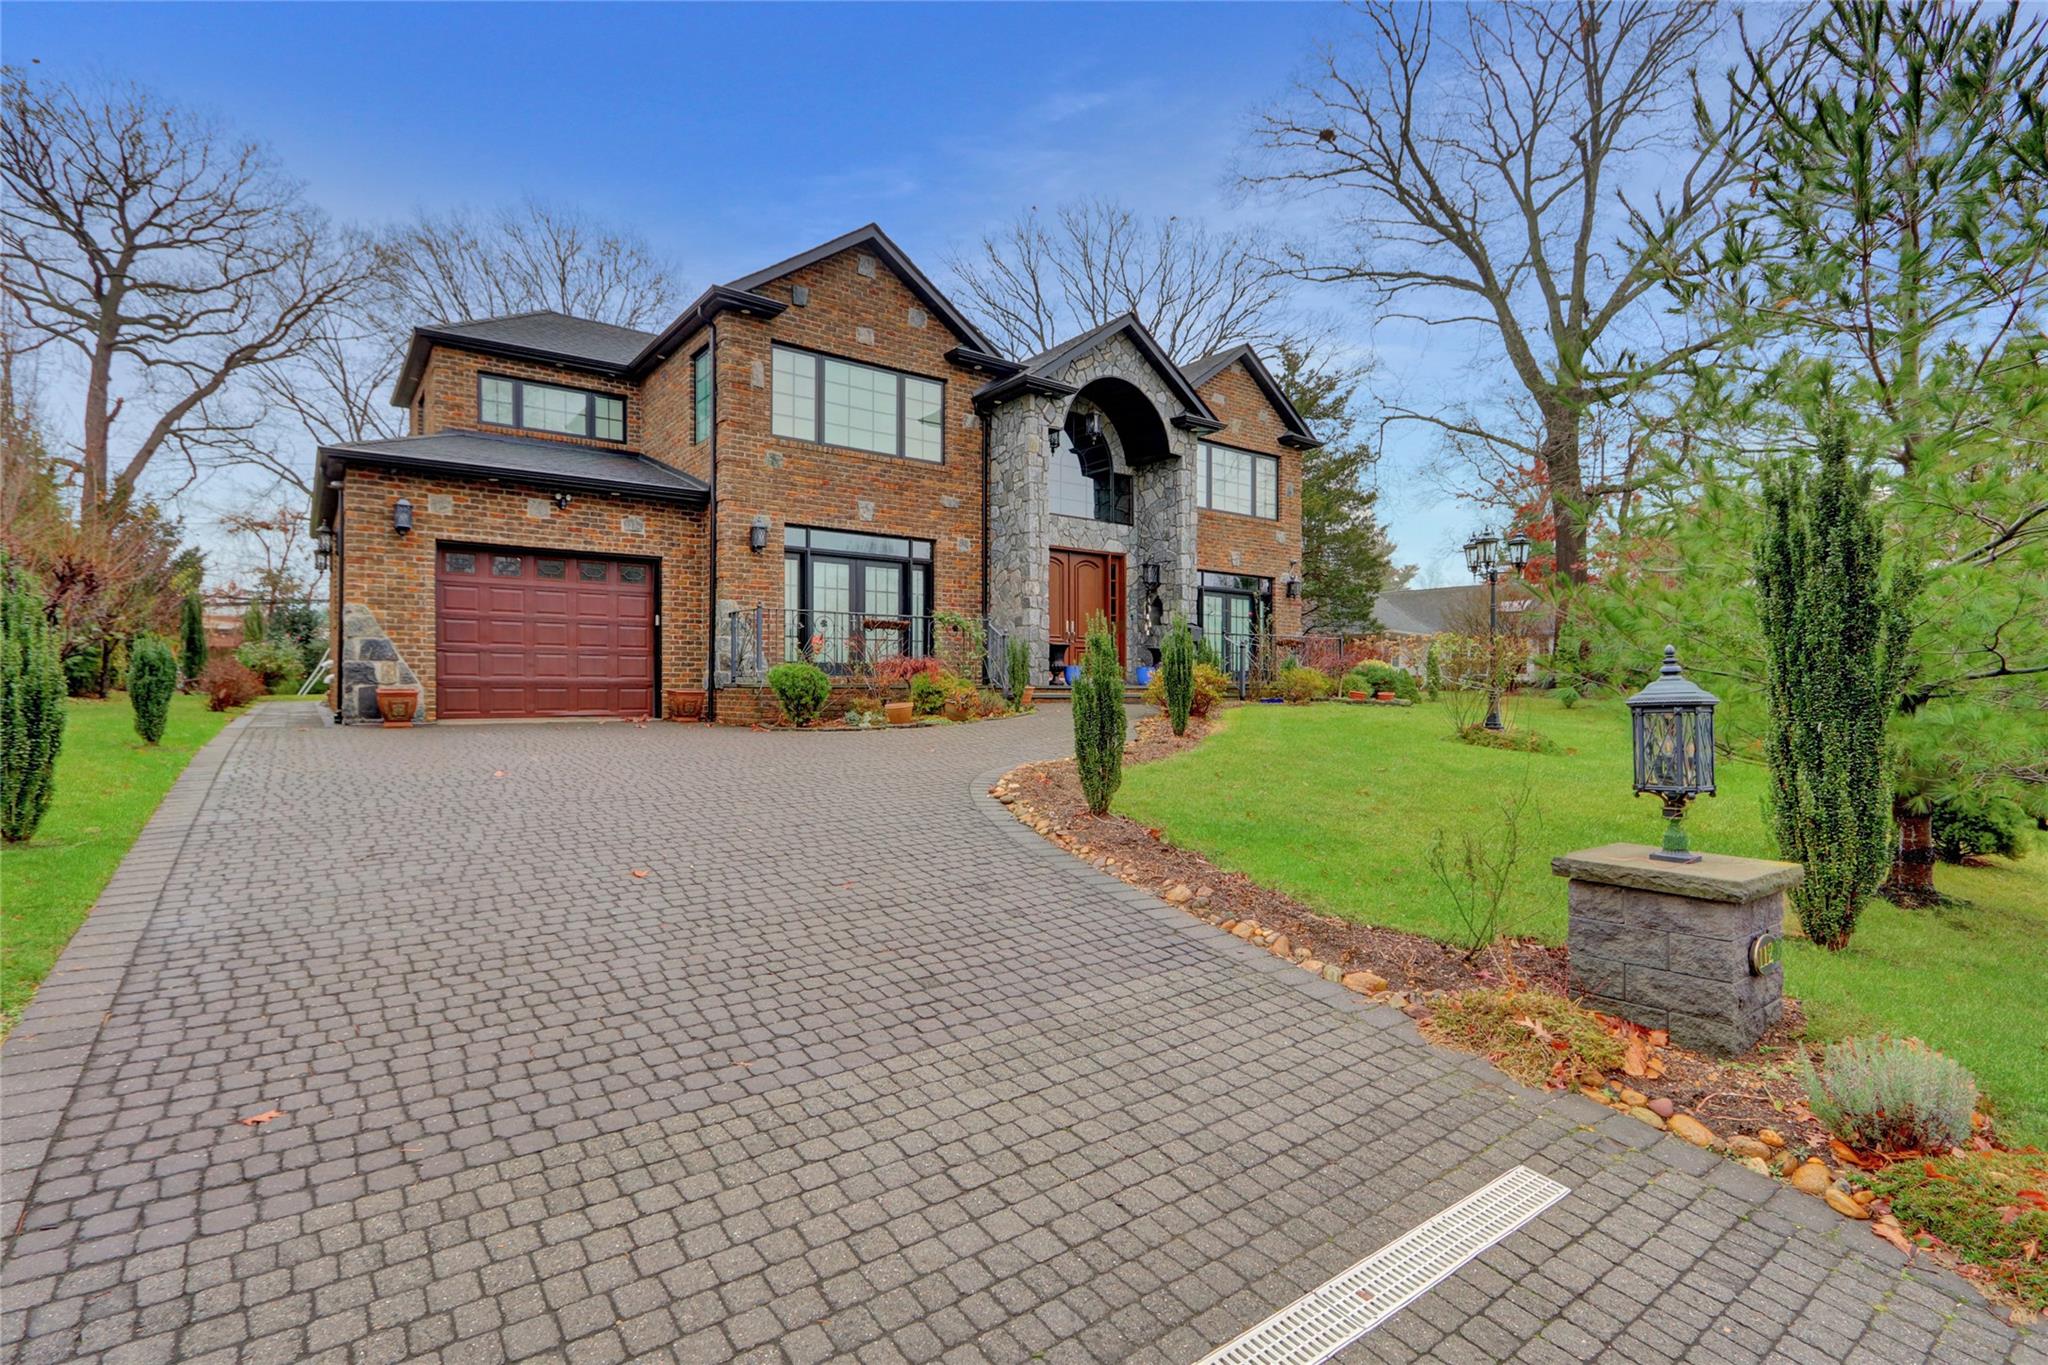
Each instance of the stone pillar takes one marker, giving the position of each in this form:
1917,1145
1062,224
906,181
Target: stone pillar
1018,536
1688,947
369,660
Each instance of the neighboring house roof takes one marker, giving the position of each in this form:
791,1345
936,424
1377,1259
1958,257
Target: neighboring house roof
1299,435
874,239
1039,371
1433,611
549,464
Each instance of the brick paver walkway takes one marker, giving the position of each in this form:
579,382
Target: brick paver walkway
860,1068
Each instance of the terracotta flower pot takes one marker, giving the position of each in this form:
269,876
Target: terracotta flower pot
1383,696
896,712
686,703
1356,696
397,705
1024,699
955,711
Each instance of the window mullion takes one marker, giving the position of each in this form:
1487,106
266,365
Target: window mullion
902,397
818,399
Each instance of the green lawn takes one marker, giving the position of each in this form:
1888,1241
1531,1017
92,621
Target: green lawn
1336,806
108,785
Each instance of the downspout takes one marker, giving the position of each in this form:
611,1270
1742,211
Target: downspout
339,611
986,666
711,569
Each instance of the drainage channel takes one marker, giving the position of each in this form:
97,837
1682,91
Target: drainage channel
1326,1320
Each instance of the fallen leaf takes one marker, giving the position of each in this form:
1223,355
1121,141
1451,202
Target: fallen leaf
639,871
1894,1236
1933,1174
2007,1215
264,1117
1635,1061
499,773
1659,1037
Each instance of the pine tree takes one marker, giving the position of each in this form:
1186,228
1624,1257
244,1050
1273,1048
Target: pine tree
152,678
1836,638
1099,722
31,706
1177,673
192,638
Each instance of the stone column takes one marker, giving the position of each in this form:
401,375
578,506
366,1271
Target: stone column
1688,947
1017,516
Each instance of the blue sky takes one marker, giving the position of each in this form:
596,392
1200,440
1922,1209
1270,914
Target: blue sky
732,135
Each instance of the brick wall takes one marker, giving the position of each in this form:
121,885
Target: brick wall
393,575
861,317
447,397
1228,543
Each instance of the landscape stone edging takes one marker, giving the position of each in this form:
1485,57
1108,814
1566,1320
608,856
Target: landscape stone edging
44,1056
1775,1201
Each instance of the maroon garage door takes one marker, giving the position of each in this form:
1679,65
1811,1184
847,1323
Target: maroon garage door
525,634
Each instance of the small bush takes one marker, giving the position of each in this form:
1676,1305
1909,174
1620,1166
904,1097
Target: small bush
1517,1030
927,693
903,667
1432,671
1210,685
1176,676
152,678
1891,1095
864,713
1019,661
82,675
277,662
1373,676
1974,1203
31,706
229,683
801,689
1519,741
1973,825
1299,683
1567,697
1099,721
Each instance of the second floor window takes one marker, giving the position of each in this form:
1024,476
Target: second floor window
550,408
840,403
700,395
1238,481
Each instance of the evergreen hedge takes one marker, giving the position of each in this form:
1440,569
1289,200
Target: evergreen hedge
1099,721
152,678
32,694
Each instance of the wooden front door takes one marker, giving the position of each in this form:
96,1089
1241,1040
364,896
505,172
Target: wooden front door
1079,585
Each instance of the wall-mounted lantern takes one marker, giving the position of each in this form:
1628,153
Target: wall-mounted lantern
562,501
1151,574
1293,586
401,516
757,537
323,547
1052,437
1672,721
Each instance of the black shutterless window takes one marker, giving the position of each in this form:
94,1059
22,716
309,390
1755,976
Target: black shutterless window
838,402
1238,481
551,408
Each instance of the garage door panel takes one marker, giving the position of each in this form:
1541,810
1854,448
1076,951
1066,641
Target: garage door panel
526,635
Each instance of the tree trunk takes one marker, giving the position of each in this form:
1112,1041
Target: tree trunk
99,420
1912,877
1567,484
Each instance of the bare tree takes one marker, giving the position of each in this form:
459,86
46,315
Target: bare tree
273,541
1482,169
172,258
1035,283
524,257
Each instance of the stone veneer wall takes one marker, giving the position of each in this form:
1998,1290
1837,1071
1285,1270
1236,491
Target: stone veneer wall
369,660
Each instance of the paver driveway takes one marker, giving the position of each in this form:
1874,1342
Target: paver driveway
858,1067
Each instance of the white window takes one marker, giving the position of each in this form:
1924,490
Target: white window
842,403
1238,481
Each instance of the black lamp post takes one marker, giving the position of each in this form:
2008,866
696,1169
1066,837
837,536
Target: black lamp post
1673,724
1483,556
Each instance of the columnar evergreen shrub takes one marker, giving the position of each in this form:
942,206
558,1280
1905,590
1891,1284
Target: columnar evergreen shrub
801,688
1891,1095
1020,669
1099,721
152,678
191,638
1177,673
1835,640
1432,671
32,693
252,624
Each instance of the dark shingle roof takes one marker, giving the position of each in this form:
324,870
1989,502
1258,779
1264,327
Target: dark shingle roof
554,334
547,464
1433,611
1199,372
1196,413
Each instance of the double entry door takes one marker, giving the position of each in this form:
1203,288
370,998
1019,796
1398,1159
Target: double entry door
1080,585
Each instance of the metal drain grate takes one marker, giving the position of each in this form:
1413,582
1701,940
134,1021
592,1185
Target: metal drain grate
1323,1322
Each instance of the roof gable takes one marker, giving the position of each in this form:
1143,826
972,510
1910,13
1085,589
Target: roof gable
1196,413
542,334
872,238
1299,434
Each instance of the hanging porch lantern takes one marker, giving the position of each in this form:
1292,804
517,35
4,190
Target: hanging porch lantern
1672,721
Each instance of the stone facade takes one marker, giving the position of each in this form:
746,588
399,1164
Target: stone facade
1670,946
369,659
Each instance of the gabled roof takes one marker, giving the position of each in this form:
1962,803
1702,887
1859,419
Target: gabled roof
547,464
874,239
1038,372
1433,611
558,338
1199,372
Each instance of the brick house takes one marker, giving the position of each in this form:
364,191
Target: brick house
824,458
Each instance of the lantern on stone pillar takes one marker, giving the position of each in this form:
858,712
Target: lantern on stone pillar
1672,721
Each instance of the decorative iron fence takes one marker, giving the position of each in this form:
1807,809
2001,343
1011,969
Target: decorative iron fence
857,645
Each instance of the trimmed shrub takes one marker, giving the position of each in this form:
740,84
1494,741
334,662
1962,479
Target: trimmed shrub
1019,661
152,678
276,662
191,638
1299,683
1432,671
229,683
32,693
82,675
1374,676
928,693
1971,826
1176,676
1211,685
801,689
1567,697
1891,1095
1099,721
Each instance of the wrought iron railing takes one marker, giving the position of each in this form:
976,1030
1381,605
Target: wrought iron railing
861,645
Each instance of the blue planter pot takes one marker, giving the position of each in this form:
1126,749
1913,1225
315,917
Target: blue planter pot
1272,701
1144,675
1073,674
